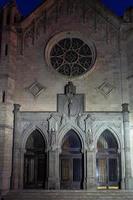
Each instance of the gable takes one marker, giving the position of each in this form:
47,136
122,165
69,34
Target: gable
62,13
57,6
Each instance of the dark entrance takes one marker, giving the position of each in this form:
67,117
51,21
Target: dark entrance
35,162
71,162
108,162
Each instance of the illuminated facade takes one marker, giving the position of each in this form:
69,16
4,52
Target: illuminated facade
66,97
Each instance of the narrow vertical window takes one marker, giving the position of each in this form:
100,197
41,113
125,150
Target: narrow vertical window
3,96
6,49
8,18
1,23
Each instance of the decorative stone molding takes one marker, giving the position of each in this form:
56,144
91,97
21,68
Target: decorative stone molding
105,88
52,123
36,88
99,19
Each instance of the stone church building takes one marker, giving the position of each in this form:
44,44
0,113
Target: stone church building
66,97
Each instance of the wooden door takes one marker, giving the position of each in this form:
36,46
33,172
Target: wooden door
71,171
34,171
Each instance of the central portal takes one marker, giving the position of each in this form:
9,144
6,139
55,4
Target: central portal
71,162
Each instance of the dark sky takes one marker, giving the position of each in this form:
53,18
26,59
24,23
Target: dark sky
117,6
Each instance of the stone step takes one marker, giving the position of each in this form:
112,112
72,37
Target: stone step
69,195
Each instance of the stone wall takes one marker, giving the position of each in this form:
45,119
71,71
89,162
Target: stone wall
102,87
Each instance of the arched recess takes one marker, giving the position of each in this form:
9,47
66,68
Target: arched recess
35,161
108,170
65,130
71,162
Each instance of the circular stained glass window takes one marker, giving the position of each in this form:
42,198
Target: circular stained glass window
72,56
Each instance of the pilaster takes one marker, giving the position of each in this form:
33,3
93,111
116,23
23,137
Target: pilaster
53,175
128,178
16,149
6,133
91,177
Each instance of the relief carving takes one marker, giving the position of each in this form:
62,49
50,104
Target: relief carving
25,125
105,88
36,88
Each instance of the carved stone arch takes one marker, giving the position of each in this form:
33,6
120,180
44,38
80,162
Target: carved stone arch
65,130
29,131
111,130
71,158
108,157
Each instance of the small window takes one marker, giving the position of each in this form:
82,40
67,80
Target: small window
3,96
6,49
8,18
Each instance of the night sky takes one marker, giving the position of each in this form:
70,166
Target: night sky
117,6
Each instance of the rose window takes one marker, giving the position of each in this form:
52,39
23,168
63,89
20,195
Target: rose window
72,57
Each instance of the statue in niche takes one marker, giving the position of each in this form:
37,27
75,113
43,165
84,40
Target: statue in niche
70,91
53,126
52,138
70,104
89,139
89,132
80,121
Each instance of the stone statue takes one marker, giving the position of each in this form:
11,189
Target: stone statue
52,138
63,120
80,121
53,126
70,89
89,139
69,106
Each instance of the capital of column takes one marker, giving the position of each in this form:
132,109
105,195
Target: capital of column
16,108
125,107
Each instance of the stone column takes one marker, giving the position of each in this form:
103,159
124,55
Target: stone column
57,167
16,149
53,154
128,179
91,171
85,169
21,169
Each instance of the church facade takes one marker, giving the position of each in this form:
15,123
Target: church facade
66,100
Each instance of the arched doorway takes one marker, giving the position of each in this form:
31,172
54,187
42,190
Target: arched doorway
71,162
35,161
107,162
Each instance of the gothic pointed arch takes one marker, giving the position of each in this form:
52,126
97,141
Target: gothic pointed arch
35,160
108,161
71,161
35,142
71,142
107,140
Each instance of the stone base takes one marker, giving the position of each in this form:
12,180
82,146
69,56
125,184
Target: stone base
53,184
129,183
